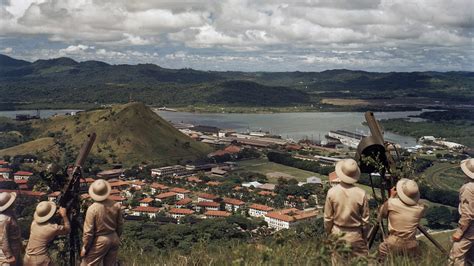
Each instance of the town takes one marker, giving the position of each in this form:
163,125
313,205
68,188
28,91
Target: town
223,186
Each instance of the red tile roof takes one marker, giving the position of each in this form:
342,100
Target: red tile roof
233,201
119,183
218,213
166,195
208,204
207,196
23,173
117,198
194,179
213,183
158,186
21,181
261,207
54,194
114,191
291,215
146,209
5,170
267,193
179,190
2,162
181,211
87,180
146,200
184,201
281,217
28,193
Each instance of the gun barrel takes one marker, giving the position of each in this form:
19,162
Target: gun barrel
85,150
374,126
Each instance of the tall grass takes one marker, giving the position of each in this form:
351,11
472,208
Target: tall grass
291,252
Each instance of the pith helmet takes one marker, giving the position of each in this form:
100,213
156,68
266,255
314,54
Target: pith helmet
348,171
6,200
44,211
408,191
99,190
467,167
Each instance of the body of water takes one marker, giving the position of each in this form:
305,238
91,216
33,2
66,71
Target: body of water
43,113
296,126
293,125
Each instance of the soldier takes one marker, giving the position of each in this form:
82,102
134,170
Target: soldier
102,227
462,252
43,231
10,234
346,210
404,215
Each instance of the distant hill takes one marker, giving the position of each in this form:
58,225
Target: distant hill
63,80
128,134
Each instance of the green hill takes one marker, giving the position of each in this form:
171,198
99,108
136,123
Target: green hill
128,134
67,82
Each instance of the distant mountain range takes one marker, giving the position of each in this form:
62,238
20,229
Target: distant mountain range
63,80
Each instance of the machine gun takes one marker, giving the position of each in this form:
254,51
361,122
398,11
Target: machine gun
69,197
374,155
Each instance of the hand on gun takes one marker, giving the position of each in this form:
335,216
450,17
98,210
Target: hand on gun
63,212
456,237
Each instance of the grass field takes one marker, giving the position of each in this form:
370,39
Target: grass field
443,237
445,175
265,167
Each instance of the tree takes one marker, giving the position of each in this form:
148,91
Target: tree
439,217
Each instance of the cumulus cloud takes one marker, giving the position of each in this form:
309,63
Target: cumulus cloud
251,32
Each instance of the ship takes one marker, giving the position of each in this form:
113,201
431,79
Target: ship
350,139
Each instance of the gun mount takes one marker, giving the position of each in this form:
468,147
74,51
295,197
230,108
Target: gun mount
374,155
69,197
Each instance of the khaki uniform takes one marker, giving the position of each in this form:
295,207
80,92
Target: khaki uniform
347,211
40,236
10,239
462,251
403,221
102,229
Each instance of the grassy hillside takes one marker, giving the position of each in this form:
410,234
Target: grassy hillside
127,134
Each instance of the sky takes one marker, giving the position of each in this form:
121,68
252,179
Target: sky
254,35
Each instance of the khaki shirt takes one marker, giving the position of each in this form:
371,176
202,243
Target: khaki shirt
41,235
347,207
102,218
10,236
403,219
466,210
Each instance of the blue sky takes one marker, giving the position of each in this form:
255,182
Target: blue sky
265,35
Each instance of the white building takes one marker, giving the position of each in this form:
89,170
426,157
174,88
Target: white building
233,205
151,212
207,206
181,193
22,175
179,213
258,210
285,219
169,171
206,197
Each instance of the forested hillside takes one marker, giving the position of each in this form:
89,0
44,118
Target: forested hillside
64,80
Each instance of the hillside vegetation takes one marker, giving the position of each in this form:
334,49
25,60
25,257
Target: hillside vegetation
65,81
128,134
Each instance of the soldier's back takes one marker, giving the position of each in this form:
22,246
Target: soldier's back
106,216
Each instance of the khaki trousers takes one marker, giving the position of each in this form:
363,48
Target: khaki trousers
462,252
103,250
398,246
40,260
355,239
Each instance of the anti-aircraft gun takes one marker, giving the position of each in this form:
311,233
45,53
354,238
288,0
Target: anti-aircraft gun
69,197
375,155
